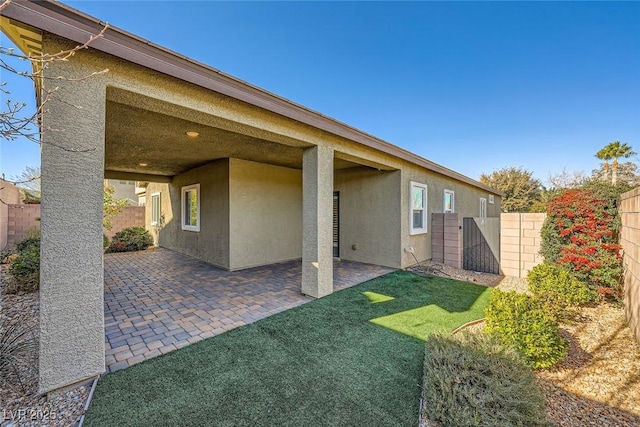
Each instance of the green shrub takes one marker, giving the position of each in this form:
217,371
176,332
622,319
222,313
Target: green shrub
522,321
32,240
105,241
471,379
558,288
130,239
26,268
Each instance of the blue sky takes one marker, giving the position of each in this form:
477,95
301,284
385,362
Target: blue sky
474,86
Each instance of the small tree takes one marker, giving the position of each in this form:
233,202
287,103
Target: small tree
111,207
520,189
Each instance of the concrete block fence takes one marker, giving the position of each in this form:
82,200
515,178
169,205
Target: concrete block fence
9,195
18,220
22,220
630,240
520,242
131,216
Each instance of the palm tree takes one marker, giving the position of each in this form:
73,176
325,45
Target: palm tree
605,155
617,150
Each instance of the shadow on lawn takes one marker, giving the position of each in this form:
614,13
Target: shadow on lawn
430,305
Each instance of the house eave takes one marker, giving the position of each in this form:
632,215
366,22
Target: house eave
64,21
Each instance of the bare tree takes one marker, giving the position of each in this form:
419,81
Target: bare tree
566,179
17,122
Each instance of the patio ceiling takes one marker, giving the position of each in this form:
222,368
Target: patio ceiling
147,137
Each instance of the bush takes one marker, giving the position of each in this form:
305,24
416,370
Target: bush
26,268
130,239
31,241
522,321
473,380
580,233
558,288
105,241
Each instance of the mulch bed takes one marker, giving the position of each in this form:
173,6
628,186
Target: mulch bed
598,384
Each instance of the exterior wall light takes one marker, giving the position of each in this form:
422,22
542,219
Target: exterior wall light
192,134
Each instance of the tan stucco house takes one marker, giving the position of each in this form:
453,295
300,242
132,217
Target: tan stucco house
238,177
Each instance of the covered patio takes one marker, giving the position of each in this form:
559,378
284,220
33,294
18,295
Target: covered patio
159,300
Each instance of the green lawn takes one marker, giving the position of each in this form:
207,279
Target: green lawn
349,359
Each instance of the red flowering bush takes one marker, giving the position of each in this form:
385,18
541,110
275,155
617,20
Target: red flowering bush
581,234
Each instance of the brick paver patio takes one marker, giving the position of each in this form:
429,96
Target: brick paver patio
157,301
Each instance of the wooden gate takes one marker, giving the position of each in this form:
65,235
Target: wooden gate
481,244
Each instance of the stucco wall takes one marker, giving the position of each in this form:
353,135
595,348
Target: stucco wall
630,240
211,243
265,214
9,194
369,215
467,204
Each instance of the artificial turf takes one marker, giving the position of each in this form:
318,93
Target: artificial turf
349,359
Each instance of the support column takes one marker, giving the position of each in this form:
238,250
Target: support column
71,260
317,221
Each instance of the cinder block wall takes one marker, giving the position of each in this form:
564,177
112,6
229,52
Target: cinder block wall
10,195
453,240
131,216
520,242
630,240
22,220
446,239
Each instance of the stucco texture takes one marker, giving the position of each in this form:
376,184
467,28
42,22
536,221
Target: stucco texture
369,215
71,273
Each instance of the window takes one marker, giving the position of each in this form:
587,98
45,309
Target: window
449,201
191,207
155,209
483,207
418,208
490,199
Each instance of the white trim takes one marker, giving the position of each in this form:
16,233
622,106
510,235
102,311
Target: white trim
183,216
491,199
413,230
483,207
453,201
158,220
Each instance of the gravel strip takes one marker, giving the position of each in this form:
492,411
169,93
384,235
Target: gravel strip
20,403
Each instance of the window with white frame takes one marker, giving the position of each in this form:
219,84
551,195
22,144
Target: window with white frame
483,207
417,208
491,199
155,209
191,207
449,201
